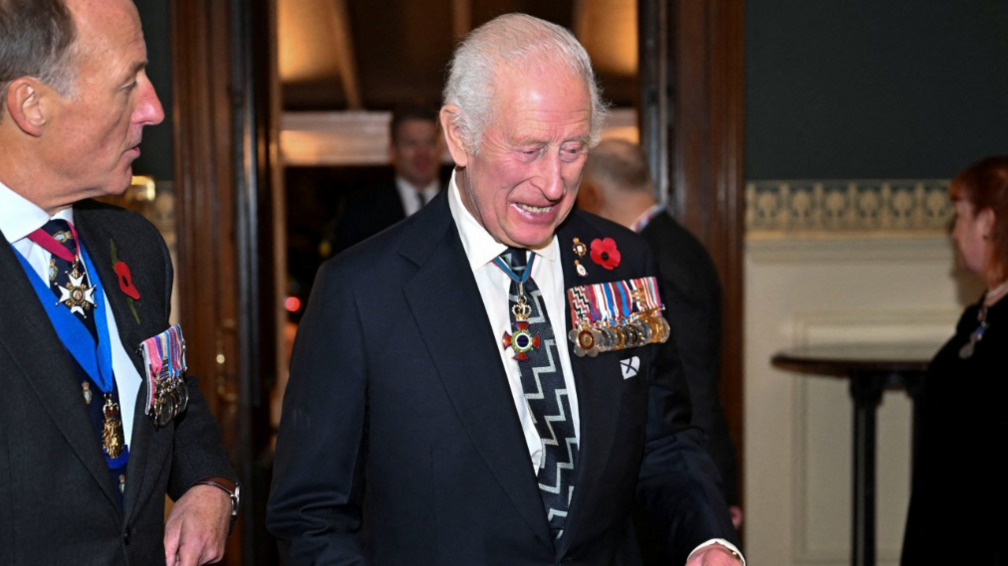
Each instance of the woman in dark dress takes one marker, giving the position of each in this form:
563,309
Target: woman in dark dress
958,503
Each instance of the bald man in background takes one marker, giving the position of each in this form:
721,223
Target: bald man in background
616,184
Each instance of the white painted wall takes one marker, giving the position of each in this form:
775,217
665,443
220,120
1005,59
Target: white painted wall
821,289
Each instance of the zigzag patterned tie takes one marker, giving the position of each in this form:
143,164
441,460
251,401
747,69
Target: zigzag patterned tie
545,389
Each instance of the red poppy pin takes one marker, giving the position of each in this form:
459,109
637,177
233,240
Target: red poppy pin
126,282
605,253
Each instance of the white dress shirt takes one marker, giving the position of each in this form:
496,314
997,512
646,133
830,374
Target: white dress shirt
409,194
20,217
494,284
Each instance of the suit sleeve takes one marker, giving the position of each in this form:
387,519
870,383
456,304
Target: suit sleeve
692,293
314,509
677,488
196,452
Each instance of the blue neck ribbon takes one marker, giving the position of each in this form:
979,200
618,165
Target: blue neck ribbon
95,359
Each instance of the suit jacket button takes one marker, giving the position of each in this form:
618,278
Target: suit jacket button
126,536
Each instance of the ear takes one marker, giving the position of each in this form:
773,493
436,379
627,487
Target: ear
453,136
985,219
25,105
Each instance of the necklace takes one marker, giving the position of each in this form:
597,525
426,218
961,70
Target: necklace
966,352
990,297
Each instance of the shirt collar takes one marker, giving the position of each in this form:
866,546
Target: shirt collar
480,247
644,219
407,188
20,217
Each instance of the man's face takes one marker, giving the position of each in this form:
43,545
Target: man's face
94,132
415,152
523,182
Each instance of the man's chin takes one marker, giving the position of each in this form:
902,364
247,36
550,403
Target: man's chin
119,186
530,238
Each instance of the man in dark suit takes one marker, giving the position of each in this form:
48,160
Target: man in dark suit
437,412
83,469
414,152
616,184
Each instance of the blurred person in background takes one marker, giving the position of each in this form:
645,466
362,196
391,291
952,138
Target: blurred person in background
616,184
414,152
958,498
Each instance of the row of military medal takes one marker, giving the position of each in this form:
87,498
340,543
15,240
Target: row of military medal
164,362
616,315
641,328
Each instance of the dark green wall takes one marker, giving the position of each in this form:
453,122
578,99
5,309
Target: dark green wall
874,88
156,151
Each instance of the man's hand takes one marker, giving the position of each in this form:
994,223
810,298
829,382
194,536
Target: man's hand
736,517
713,555
197,527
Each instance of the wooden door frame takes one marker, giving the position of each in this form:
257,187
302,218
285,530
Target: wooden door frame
692,119
224,132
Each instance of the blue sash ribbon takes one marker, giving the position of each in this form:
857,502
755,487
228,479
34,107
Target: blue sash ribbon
96,360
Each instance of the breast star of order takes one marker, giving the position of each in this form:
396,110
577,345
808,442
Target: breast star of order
76,294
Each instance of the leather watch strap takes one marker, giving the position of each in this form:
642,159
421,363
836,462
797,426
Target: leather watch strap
231,487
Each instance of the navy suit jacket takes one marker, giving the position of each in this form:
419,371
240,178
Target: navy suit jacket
57,504
367,213
692,293
400,443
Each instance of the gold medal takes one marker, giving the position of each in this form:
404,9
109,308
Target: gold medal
113,440
580,249
665,329
655,329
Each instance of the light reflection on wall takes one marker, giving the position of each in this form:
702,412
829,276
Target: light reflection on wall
608,30
305,41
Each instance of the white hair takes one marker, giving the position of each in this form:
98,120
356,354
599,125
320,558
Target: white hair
518,41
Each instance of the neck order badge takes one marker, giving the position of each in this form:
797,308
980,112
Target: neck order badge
522,341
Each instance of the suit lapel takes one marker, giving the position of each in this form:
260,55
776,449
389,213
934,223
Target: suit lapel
144,445
596,379
29,338
462,345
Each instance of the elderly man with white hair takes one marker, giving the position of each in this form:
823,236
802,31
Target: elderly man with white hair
481,384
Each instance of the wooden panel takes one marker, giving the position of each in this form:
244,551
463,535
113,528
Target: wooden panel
703,110
205,212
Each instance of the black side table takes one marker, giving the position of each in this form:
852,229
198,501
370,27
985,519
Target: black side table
871,369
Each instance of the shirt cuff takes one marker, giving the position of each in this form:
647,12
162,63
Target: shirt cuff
731,547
